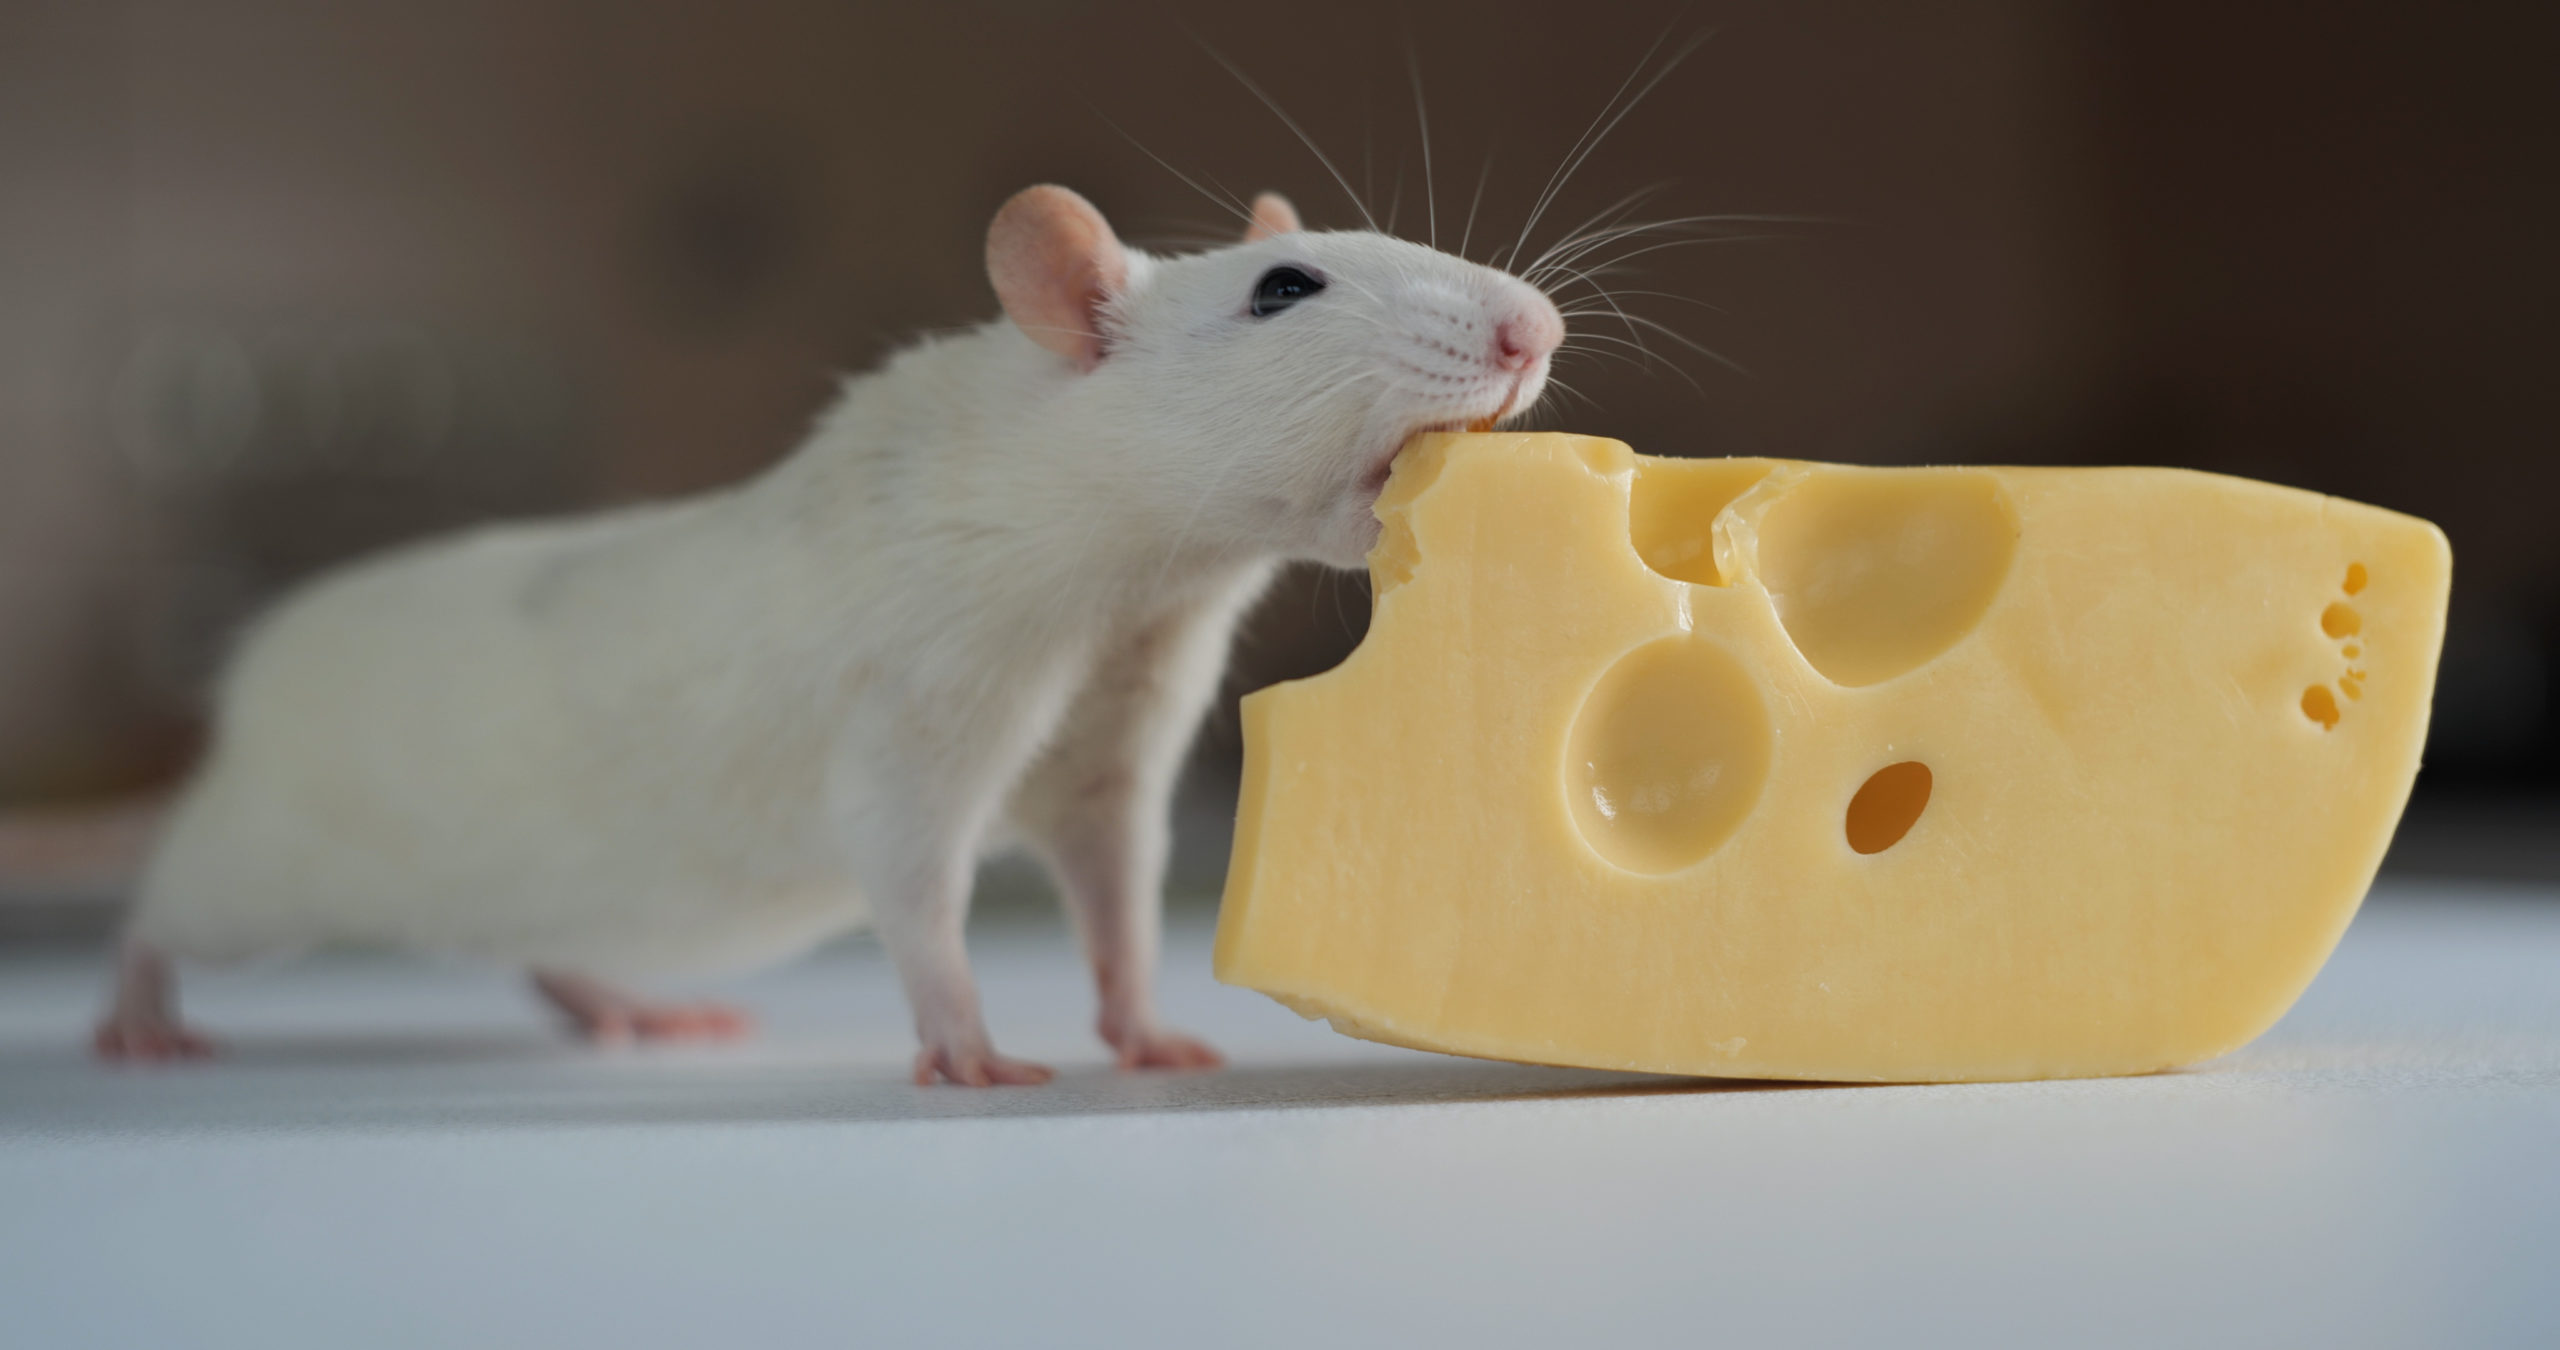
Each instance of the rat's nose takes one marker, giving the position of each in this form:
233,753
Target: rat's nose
1528,335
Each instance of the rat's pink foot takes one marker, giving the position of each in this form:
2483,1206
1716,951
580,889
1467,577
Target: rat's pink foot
607,1015
148,1038
142,1024
978,1067
1156,1048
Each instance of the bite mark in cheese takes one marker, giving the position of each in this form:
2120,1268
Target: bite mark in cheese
1773,769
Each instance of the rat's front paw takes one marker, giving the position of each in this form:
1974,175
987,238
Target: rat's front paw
1157,1048
977,1066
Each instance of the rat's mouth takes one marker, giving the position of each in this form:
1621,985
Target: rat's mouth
1374,479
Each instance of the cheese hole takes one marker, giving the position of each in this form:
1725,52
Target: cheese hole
2321,706
1672,509
1888,805
2356,578
1667,756
1875,572
2341,620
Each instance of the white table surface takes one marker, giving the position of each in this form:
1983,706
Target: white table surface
398,1155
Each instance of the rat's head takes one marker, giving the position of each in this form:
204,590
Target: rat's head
1264,388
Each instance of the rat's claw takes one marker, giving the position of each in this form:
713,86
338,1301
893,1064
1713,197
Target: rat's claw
1161,1049
980,1067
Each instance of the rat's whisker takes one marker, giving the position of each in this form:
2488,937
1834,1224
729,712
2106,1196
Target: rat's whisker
1477,200
1620,261
1597,354
1599,130
1597,240
1335,580
1674,296
1645,356
1605,296
1545,193
1422,118
1692,344
1694,225
1566,388
1226,201
1650,360
1636,325
1367,293
1294,129
1612,213
1567,391
1635,353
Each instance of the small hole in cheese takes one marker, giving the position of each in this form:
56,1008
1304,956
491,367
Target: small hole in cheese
2356,578
1888,805
2320,706
2340,621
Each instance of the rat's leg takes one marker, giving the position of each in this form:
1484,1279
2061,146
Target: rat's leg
920,917
916,783
143,1022
606,1014
1097,805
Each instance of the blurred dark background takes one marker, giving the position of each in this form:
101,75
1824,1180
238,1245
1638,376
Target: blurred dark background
282,281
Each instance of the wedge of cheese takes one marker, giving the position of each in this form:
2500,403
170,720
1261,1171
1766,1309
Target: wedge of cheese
1781,770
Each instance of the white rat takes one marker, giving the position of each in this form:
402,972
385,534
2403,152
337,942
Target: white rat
993,591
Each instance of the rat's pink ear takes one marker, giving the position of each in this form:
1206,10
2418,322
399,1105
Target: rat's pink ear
1055,262
1272,214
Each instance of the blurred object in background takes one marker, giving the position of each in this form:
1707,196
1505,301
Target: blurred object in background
282,282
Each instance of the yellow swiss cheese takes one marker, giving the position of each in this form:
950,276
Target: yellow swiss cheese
1782,770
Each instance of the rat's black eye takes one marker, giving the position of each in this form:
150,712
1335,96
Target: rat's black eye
1280,288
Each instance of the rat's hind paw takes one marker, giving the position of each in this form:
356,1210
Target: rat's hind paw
148,1040
980,1066
609,1016
670,1022
1157,1048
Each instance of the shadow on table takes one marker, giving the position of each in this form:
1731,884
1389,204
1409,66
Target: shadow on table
482,1081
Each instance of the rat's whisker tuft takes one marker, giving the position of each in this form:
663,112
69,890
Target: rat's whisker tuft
1606,122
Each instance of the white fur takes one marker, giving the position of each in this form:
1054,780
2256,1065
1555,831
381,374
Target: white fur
705,735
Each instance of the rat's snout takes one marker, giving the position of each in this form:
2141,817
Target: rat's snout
1528,334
